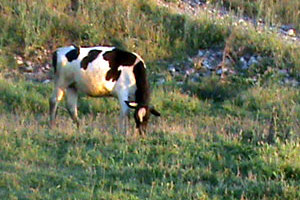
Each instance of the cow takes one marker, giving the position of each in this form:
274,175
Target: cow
102,71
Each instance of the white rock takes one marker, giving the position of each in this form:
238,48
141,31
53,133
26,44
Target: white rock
244,63
47,66
161,81
259,58
219,71
190,59
242,22
28,69
29,63
19,60
291,32
294,83
190,71
171,69
46,81
207,64
201,53
252,61
283,72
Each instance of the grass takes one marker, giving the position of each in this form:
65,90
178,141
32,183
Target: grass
88,164
272,12
201,148
215,140
30,28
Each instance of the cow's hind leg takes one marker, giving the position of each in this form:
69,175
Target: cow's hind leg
55,98
72,97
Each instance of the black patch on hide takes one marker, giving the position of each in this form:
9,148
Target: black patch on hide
92,55
73,54
117,58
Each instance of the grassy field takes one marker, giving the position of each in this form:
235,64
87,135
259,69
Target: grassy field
231,139
200,149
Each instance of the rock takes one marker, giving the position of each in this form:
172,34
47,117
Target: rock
180,83
43,69
29,63
28,68
291,32
219,71
242,22
260,21
19,60
252,61
190,71
195,79
219,54
201,53
291,81
286,27
47,66
259,58
172,69
208,63
190,59
160,80
244,64
46,81
222,70
283,72
206,73
294,83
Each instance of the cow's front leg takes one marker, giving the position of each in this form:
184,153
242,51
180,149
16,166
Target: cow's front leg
124,118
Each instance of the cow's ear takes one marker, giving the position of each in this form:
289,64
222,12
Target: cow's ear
131,104
154,112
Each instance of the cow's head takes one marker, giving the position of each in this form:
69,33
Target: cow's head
141,115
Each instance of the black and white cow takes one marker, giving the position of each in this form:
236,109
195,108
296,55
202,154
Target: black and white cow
102,71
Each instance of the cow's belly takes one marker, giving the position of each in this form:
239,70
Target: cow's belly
94,83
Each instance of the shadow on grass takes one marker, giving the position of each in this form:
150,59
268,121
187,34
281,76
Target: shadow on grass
160,166
165,165
215,89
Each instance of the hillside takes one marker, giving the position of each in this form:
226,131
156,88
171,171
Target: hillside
227,89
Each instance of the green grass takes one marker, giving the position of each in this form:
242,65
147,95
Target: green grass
67,164
201,148
272,12
215,140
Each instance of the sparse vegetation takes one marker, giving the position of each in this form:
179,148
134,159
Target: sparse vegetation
273,12
229,139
